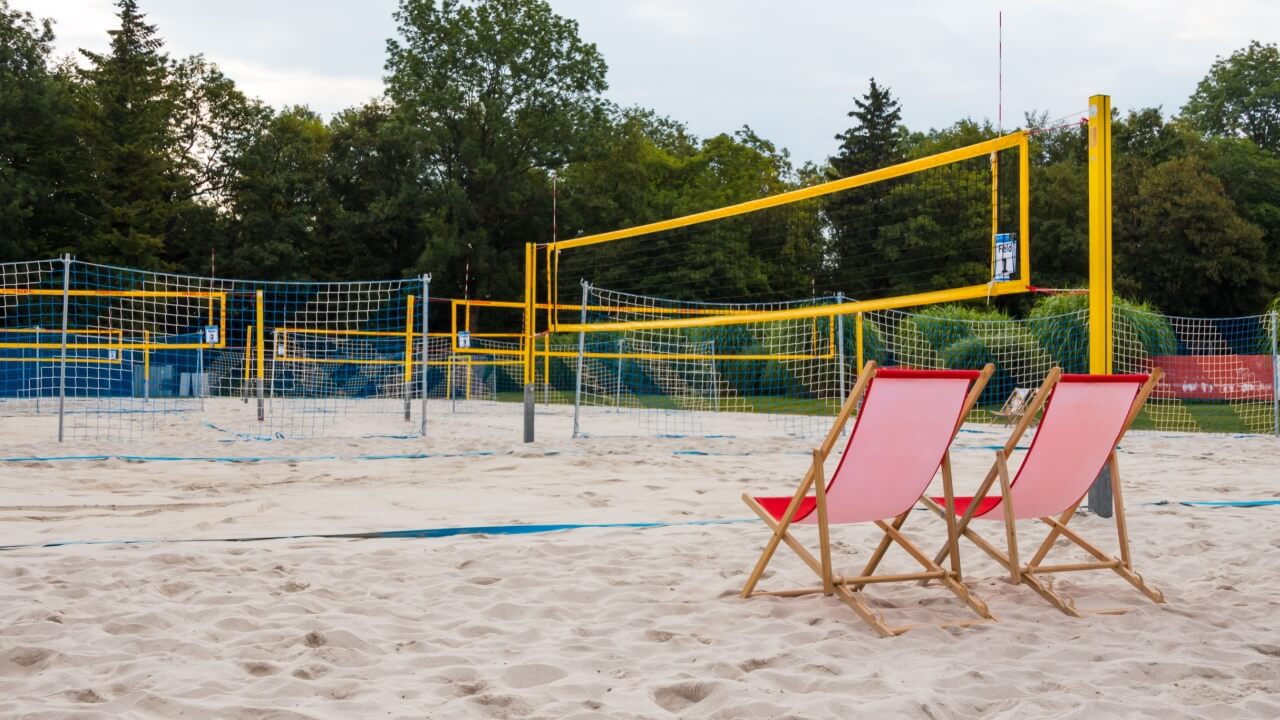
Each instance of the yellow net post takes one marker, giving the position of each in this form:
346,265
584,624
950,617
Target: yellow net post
858,338
530,323
408,355
1100,278
262,360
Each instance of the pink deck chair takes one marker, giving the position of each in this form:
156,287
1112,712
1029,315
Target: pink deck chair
1085,416
901,437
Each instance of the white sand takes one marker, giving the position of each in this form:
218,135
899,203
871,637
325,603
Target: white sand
614,622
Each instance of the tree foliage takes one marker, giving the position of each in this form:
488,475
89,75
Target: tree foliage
1240,97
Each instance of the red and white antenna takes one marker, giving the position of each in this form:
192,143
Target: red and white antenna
1000,71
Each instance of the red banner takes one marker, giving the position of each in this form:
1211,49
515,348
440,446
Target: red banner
1215,377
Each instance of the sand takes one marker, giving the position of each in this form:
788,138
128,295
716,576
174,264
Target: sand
588,623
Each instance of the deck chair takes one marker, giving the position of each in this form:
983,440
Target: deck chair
900,438
1015,406
1085,416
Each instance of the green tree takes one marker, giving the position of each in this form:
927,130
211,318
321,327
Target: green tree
504,91
40,158
877,137
278,200
647,168
1240,97
1180,244
876,140
126,115
1251,177
377,224
213,124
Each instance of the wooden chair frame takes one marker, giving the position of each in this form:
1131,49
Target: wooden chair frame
849,588
1016,405
1030,574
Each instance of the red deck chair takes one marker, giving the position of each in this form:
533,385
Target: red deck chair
899,440
1085,416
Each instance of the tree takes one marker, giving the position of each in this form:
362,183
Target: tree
375,176
126,113
1180,244
1240,97
503,91
213,124
1251,177
278,201
876,140
39,154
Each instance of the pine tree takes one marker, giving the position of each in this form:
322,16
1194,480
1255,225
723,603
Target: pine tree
125,116
877,138
875,141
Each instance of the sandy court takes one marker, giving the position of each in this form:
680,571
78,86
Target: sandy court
601,622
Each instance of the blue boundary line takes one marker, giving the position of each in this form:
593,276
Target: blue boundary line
394,534
532,529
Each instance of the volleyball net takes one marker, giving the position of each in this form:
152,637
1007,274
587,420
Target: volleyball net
113,351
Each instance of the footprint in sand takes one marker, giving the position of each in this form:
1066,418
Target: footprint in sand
675,698
527,676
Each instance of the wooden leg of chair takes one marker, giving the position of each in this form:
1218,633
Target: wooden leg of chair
1053,534
963,525
778,532
786,537
824,530
1010,528
1065,604
1133,578
949,496
1117,504
872,617
1122,530
951,582
881,549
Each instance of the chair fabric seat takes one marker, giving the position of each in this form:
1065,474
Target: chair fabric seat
984,507
777,506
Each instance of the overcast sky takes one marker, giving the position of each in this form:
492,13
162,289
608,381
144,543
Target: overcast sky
788,69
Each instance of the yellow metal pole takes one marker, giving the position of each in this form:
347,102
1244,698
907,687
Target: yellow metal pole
551,298
468,377
453,325
262,367
995,207
530,273
146,359
1100,277
1024,211
546,360
408,342
858,338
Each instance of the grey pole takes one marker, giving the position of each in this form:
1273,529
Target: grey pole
529,413
1275,369
62,373
582,342
453,396
426,298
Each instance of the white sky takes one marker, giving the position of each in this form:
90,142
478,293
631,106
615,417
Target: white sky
788,69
